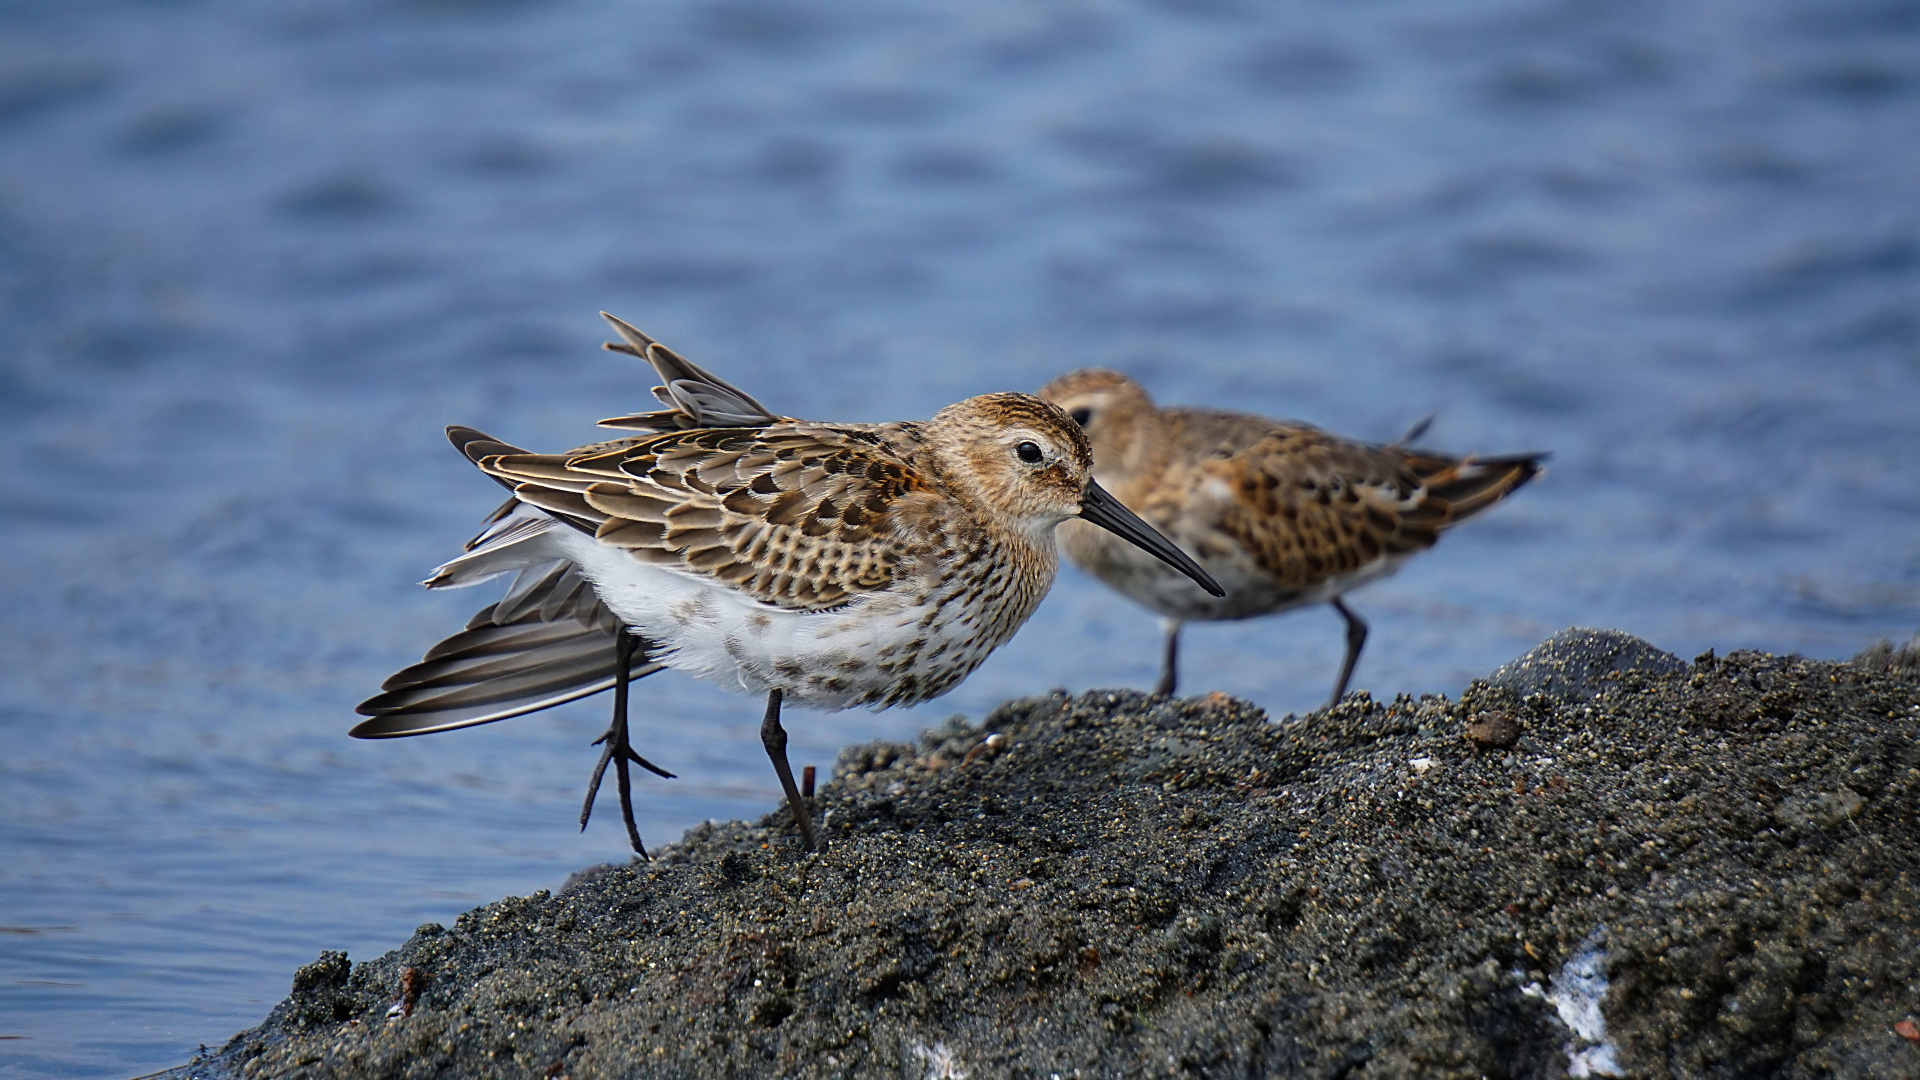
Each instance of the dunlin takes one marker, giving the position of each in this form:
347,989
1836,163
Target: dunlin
1282,514
826,565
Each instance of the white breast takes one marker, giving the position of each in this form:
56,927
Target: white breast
893,648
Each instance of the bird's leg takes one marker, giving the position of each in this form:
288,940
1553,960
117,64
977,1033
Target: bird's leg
775,739
619,750
1356,637
1171,661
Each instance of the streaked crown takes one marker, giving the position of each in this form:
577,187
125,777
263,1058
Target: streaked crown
1119,418
1022,458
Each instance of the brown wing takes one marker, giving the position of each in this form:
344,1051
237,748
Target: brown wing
1309,505
797,515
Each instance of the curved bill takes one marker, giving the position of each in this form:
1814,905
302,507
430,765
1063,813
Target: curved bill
1104,510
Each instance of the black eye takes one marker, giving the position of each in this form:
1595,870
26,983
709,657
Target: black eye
1081,415
1029,453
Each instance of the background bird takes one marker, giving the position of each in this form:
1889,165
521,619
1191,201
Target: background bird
831,565
1282,514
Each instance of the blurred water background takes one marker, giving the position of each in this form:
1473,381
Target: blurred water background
255,253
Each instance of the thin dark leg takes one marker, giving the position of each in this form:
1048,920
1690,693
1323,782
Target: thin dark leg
1356,638
775,738
619,750
1170,664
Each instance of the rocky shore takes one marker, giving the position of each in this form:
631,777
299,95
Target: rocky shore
1599,861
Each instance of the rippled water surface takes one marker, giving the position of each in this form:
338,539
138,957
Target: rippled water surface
253,255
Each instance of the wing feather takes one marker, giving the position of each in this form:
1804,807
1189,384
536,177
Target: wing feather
529,587
555,643
558,501
796,515
694,396
1308,505
550,640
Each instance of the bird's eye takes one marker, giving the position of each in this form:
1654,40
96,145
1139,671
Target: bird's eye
1029,452
1081,415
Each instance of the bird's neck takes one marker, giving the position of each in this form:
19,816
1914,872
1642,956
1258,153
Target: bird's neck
1137,459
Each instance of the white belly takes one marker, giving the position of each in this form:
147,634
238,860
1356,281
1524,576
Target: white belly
893,648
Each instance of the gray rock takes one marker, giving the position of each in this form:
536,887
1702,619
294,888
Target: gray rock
1128,881
1576,664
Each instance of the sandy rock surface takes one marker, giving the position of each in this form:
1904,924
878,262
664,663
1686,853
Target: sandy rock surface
1671,870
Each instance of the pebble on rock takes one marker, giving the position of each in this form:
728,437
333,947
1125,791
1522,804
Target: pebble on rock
1493,730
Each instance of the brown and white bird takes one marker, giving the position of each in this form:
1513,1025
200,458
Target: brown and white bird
1282,514
829,565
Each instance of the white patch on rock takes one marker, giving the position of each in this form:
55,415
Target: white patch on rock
941,1062
1576,994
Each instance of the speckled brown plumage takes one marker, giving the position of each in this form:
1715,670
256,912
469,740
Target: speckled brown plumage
1282,514
799,515
827,565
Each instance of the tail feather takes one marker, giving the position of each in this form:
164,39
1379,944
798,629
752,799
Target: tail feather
1458,489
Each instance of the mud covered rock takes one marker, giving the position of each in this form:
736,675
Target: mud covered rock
1576,664
1701,872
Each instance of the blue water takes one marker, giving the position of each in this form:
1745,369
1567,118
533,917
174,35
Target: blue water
253,255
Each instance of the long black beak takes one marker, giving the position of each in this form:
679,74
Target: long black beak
1105,511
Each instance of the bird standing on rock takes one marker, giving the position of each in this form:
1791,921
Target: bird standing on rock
829,565
1282,514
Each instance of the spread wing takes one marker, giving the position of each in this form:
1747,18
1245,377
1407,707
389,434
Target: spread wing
796,515
1347,504
548,641
694,398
